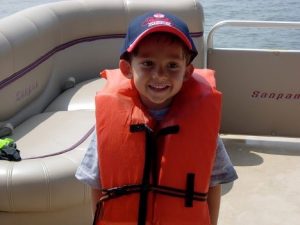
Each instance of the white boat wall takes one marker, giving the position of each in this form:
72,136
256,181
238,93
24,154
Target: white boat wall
50,59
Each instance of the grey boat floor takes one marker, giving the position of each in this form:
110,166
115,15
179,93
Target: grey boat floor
268,189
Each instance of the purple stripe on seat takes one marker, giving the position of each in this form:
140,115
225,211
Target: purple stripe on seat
5,82
43,58
90,131
197,34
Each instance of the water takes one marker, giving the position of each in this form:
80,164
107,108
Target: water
218,10
8,7
266,10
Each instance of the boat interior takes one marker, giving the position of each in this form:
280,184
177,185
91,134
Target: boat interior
50,59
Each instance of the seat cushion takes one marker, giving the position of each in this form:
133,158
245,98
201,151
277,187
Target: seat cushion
52,146
82,96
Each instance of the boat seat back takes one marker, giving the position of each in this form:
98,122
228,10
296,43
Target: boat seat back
261,94
49,48
50,59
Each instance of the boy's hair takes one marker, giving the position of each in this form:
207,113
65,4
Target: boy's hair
153,22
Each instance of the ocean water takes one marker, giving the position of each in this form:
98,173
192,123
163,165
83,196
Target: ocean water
218,10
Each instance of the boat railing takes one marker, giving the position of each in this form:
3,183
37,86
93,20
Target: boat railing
249,24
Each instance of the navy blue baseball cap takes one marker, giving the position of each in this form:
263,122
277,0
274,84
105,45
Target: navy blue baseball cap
152,22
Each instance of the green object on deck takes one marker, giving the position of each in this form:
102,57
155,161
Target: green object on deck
8,150
4,142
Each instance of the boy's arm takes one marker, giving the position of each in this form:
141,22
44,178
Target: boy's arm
96,193
213,200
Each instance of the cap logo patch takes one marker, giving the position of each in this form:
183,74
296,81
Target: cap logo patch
157,19
159,15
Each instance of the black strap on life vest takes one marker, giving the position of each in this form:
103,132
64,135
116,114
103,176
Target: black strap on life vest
150,164
190,186
151,161
150,149
160,189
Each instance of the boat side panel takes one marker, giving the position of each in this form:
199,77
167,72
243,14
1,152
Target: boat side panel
261,91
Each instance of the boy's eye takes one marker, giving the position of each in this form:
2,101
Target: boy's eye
147,63
173,65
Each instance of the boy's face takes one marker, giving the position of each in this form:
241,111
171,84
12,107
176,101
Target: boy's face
158,71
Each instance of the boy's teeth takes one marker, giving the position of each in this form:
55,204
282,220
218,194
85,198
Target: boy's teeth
158,86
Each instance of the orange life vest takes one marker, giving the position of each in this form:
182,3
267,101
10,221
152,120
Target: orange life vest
158,172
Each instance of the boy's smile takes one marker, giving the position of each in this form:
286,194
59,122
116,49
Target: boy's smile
159,70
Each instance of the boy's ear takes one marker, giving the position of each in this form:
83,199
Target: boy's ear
188,71
125,68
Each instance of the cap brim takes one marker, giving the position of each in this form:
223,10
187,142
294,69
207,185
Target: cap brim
163,28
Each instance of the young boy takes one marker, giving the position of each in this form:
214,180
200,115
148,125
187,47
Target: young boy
157,158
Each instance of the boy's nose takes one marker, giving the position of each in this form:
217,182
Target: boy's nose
160,72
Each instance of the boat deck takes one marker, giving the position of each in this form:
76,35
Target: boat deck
267,191
50,58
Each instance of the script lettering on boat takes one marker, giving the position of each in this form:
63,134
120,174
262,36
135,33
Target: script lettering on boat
275,95
26,91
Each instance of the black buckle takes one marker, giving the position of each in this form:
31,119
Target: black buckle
119,191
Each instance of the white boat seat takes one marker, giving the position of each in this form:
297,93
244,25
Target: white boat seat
42,50
80,97
51,146
62,135
70,39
